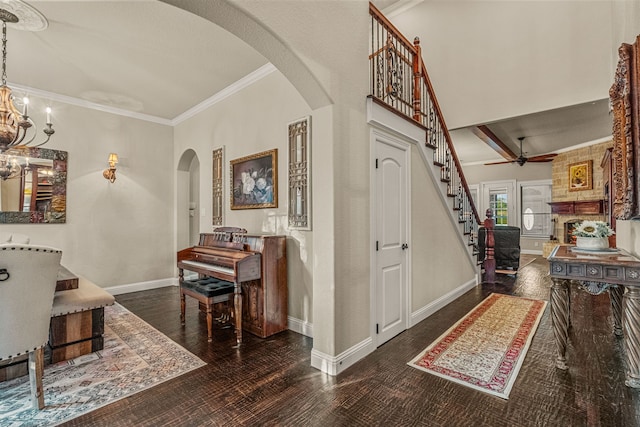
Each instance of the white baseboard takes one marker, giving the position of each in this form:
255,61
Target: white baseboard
333,365
296,325
426,311
300,326
141,286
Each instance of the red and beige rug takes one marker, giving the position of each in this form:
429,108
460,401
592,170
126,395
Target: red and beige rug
486,348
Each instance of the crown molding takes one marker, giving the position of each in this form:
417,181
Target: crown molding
400,7
88,104
235,87
584,144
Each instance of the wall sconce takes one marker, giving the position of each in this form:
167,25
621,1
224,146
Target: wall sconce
110,173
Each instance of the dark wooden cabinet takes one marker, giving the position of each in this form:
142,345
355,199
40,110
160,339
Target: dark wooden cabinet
578,207
264,310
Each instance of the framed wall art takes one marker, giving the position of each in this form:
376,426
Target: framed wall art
580,177
300,174
254,181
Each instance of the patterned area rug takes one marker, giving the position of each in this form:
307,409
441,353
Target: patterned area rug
485,349
135,357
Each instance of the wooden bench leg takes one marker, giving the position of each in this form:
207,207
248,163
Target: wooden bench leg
182,307
209,322
237,302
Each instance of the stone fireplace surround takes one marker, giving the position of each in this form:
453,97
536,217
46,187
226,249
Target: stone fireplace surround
570,205
569,213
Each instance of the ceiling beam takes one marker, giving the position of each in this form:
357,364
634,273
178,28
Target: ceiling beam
489,138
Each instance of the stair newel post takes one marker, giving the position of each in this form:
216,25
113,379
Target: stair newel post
417,75
489,260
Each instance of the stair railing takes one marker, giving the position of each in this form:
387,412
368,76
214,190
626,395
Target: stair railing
399,82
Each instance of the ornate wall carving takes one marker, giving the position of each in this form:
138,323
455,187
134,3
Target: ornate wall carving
624,102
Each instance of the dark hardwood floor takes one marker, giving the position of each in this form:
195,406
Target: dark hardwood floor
270,381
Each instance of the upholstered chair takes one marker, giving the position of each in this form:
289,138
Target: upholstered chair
28,276
506,246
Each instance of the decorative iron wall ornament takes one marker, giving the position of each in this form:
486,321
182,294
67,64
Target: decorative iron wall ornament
217,186
300,174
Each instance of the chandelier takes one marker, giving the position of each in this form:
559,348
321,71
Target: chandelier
10,168
13,123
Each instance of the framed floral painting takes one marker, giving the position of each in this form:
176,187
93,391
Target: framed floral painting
254,181
580,176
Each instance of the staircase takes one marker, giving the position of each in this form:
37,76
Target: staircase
399,82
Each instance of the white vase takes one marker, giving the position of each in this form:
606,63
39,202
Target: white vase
593,243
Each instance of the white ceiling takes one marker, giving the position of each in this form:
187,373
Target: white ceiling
552,131
142,56
150,58
538,70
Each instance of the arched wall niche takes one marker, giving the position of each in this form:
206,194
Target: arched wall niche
188,199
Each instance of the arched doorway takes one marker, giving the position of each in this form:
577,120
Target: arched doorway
188,200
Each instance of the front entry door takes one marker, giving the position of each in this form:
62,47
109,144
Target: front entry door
391,238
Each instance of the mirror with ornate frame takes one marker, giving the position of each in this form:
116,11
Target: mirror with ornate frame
33,186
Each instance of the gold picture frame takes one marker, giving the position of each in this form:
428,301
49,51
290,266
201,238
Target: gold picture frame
254,181
580,176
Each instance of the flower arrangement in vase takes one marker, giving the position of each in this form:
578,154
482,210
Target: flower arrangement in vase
592,235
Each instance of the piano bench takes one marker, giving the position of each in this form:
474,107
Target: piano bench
208,291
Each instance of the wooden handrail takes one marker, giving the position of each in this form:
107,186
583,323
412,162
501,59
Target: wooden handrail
436,106
392,28
399,80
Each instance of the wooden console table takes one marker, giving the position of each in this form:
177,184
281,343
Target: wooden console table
618,272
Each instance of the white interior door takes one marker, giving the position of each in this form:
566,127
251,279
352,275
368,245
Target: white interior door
391,239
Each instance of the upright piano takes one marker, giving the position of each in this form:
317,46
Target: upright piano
256,264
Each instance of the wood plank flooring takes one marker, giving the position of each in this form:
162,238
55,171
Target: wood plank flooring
269,382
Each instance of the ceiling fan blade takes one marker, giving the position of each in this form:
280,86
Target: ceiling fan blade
500,163
542,158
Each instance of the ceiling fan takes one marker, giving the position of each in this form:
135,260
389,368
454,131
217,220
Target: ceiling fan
489,138
521,159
